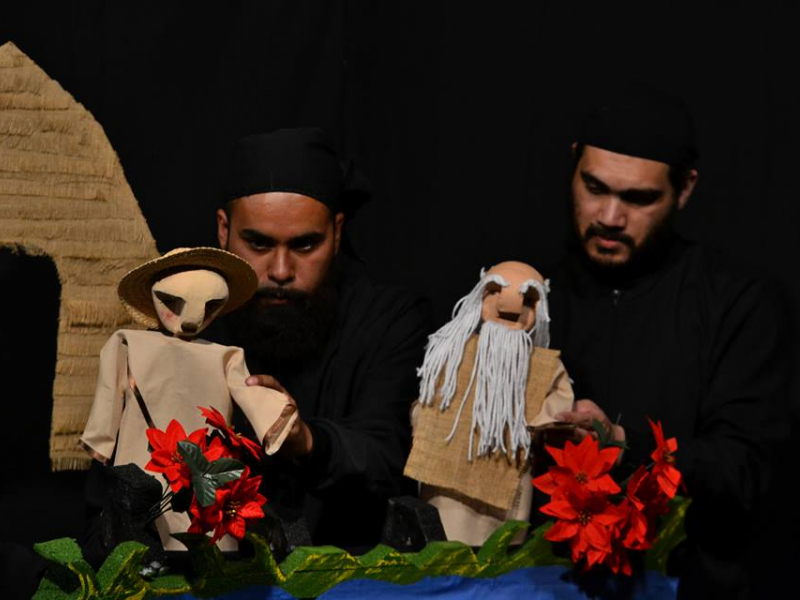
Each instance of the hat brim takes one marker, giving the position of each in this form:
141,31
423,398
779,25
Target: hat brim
134,289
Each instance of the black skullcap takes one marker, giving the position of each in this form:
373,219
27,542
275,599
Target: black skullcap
302,161
643,122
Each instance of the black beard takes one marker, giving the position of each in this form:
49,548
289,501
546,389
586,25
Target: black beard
642,258
280,338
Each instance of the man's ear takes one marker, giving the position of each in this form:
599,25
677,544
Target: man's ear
338,223
691,181
223,228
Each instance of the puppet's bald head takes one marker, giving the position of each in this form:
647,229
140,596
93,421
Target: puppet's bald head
512,305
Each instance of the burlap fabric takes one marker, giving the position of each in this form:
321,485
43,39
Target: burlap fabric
63,195
492,480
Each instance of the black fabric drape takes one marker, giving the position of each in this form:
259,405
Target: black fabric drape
460,113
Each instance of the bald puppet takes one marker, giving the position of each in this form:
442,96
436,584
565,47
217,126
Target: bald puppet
488,379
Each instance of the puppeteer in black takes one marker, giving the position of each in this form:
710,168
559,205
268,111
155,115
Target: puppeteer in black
355,394
695,343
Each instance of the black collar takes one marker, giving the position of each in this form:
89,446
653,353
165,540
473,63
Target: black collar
589,280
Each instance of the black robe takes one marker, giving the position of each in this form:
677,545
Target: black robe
697,344
356,398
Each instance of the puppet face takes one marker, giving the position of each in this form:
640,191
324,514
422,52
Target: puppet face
509,305
188,301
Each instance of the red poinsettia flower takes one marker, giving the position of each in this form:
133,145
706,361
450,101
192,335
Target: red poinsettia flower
644,502
236,440
586,520
585,464
619,560
165,458
635,530
646,494
217,449
237,504
664,470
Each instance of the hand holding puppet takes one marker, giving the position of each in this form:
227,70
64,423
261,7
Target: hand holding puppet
148,378
487,380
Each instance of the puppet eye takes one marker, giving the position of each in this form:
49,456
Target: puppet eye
212,306
530,298
173,303
493,288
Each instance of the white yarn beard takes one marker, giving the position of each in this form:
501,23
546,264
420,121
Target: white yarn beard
500,376
500,373
445,348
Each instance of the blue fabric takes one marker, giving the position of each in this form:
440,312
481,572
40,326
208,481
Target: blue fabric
535,583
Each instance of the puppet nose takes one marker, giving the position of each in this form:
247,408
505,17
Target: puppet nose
189,327
192,317
509,305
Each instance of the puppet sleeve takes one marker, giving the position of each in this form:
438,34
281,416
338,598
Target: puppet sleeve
268,411
100,435
559,398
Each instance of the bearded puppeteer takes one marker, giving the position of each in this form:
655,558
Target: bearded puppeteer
148,378
488,378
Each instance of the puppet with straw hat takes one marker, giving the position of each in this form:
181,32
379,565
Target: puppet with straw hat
148,378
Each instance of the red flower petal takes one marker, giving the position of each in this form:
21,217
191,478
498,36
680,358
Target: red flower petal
562,530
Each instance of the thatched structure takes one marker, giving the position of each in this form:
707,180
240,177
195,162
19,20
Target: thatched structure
63,194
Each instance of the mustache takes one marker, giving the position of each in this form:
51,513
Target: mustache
598,230
277,293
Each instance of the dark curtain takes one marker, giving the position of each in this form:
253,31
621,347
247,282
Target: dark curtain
461,114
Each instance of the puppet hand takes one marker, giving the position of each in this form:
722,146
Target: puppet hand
582,415
299,442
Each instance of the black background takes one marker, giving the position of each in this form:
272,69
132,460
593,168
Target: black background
460,113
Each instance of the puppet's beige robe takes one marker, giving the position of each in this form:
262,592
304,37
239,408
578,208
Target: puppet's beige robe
474,498
174,377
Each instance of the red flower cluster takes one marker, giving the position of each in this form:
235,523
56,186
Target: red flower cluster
598,521
237,504
224,495
165,458
235,440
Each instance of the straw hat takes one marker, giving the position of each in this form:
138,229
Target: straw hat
134,289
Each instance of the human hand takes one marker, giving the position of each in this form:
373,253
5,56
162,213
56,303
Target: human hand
583,414
299,442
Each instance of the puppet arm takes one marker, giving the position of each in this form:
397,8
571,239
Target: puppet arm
100,435
269,411
558,399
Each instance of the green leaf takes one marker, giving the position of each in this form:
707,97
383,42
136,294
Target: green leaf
225,464
670,534
616,444
62,551
217,481
207,477
193,456
120,570
601,431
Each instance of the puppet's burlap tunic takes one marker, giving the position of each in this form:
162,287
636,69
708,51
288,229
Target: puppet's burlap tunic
174,377
475,497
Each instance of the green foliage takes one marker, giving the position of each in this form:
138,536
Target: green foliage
308,571
605,436
68,576
207,477
670,534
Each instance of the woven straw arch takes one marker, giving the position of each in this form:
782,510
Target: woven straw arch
63,194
